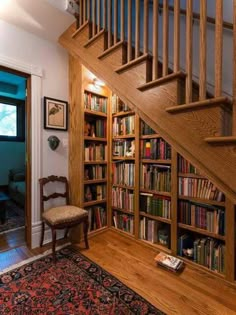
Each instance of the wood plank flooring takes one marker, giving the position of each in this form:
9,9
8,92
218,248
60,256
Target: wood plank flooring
191,292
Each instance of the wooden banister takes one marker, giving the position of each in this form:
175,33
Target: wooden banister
129,30
234,70
165,53
145,27
176,35
99,15
137,28
122,20
155,40
115,13
202,50
109,23
196,16
218,47
189,50
94,18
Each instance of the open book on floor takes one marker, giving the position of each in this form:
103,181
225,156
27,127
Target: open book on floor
169,262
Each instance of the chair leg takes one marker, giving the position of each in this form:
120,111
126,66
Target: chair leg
85,228
42,234
54,236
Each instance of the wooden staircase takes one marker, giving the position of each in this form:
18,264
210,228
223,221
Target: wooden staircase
198,125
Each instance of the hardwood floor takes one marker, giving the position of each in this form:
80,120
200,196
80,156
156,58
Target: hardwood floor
191,292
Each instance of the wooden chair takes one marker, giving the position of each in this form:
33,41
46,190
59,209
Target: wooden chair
60,217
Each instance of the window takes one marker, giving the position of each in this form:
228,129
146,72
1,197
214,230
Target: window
12,119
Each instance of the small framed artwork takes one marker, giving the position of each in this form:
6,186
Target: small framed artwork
55,114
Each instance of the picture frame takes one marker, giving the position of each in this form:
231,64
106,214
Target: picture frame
55,114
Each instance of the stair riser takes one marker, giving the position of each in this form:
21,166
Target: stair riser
115,59
140,72
83,36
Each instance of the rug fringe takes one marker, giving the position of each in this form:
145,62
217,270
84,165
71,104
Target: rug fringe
26,261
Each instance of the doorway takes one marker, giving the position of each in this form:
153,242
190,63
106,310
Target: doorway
14,166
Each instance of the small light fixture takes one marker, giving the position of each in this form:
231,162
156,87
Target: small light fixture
98,83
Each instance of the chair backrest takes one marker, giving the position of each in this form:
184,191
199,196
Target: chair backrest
53,194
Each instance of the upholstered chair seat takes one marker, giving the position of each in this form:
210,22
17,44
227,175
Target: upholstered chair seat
63,214
60,216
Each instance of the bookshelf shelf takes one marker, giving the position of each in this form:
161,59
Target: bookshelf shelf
150,161
155,192
201,231
123,186
191,175
123,113
153,136
123,158
203,201
95,162
95,113
88,138
123,210
130,136
94,202
95,181
154,217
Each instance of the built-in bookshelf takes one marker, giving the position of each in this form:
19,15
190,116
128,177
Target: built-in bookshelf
201,218
123,166
95,158
130,179
155,188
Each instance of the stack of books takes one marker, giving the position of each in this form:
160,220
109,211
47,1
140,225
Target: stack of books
169,262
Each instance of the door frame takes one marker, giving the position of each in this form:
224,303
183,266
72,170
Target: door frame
33,141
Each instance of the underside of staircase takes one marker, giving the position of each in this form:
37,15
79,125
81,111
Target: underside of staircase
191,128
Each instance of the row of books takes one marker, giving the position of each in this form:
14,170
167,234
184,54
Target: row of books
94,192
97,217
122,126
123,148
95,102
123,173
146,129
201,216
94,172
123,222
95,152
185,166
123,198
204,251
117,105
97,128
155,177
199,188
154,232
155,205
155,149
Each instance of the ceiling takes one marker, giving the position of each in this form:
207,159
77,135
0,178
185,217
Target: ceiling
47,19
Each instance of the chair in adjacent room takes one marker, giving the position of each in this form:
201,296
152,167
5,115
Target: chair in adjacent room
59,216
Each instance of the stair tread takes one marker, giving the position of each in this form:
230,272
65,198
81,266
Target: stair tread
111,49
91,40
221,100
179,74
133,62
80,29
222,139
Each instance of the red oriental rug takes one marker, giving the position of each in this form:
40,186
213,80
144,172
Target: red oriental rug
75,285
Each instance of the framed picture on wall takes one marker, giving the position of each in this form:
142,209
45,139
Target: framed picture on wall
55,114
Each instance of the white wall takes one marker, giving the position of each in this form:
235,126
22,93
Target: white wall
28,49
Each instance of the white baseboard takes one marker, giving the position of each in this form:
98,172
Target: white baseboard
36,235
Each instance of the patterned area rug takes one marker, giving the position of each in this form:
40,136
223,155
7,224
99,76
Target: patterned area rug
14,217
74,285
